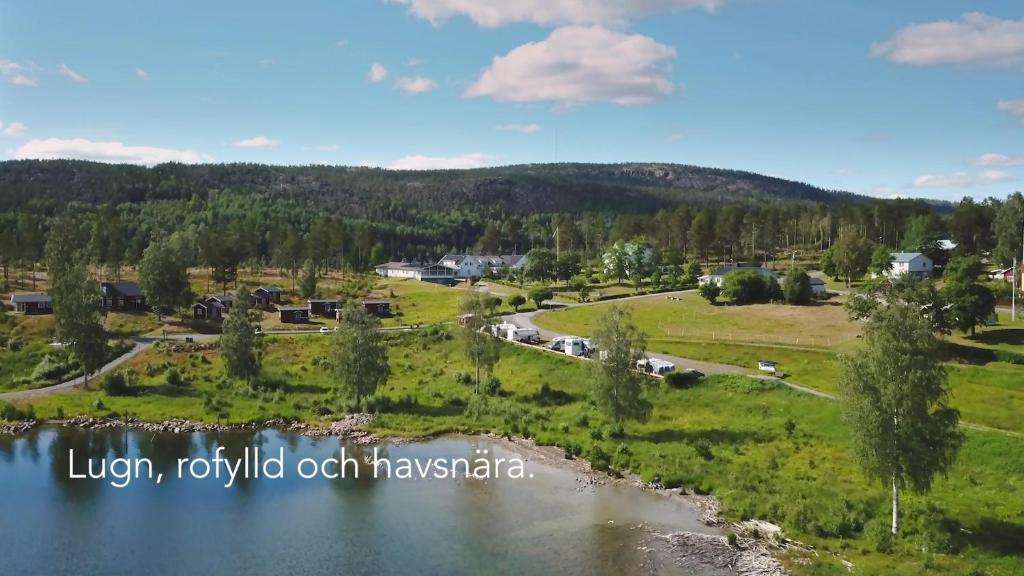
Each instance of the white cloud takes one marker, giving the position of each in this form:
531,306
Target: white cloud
886,192
256,142
494,13
962,179
112,152
15,73
1014,108
575,65
460,162
322,147
66,71
413,62
974,40
377,72
141,74
415,85
521,128
341,43
993,159
13,129
265,62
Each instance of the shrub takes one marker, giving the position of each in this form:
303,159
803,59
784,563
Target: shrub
681,379
99,405
750,287
174,378
703,448
516,300
464,378
710,292
796,288
116,384
493,386
599,459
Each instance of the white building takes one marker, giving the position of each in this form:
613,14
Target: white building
719,275
435,273
473,266
913,263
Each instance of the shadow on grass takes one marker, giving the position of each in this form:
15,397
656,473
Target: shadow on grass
998,536
714,435
980,356
1012,336
166,390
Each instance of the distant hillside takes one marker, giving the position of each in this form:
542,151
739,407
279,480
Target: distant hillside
533,188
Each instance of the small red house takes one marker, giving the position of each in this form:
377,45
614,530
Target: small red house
122,296
293,314
208,310
323,306
32,303
378,307
267,296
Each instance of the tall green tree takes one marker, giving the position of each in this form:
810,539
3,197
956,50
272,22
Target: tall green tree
482,349
76,302
359,353
894,396
307,286
796,287
970,303
881,261
852,255
163,273
1009,230
239,344
617,386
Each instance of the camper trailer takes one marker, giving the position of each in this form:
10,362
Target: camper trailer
527,335
766,366
655,366
557,343
502,330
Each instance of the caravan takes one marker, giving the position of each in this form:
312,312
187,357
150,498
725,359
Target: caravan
655,366
525,335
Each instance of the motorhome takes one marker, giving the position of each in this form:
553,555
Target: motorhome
527,335
766,366
574,346
655,366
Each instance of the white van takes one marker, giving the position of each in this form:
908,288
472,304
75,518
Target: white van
527,335
655,366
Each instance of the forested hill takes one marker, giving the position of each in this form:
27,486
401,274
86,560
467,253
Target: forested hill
546,188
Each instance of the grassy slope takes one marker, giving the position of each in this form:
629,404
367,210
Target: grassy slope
804,480
690,317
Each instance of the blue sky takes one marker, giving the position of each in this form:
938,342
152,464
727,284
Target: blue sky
913,98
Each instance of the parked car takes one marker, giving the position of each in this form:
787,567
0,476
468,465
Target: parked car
325,330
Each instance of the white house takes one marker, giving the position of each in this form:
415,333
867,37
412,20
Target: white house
913,263
435,273
474,266
719,275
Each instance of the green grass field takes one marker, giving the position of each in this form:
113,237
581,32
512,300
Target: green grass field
823,325
728,435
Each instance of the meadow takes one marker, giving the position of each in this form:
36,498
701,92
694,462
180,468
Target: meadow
765,451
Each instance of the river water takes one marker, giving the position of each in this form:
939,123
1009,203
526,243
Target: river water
548,524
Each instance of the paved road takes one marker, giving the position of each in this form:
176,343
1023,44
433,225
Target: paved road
64,387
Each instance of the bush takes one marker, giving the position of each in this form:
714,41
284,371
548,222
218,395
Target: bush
710,292
174,378
464,378
117,384
796,288
493,386
750,287
703,448
516,300
599,459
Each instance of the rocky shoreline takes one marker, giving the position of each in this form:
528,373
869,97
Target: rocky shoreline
349,428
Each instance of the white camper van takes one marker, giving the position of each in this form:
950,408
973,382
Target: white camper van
574,346
527,335
655,366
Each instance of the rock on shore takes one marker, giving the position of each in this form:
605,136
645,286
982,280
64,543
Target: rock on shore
749,557
19,427
349,427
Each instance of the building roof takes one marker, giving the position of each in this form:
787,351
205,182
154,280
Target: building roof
328,300
946,244
815,281
270,288
292,308
130,289
485,260
33,298
222,297
376,302
208,304
904,256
